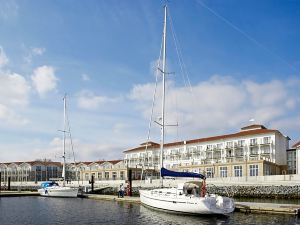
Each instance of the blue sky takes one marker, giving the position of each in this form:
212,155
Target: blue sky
242,58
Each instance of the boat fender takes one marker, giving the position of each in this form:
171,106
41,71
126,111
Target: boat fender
203,189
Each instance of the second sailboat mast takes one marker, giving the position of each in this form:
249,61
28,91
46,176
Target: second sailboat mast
163,92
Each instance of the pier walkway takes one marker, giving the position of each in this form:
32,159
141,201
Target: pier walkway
247,207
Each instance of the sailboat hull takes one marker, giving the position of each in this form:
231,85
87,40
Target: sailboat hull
169,200
64,192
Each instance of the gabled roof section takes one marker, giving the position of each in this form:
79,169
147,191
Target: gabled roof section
243,133
115,161
253,127
296,145
143,146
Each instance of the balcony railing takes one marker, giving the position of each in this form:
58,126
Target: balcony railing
229,155
253,144
266,143
253,152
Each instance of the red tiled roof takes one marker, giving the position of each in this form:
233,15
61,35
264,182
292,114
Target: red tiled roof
100,162
297,144
214,138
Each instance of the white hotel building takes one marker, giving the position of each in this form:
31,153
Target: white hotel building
253,151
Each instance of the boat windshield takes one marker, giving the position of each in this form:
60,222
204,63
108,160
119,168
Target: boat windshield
49,184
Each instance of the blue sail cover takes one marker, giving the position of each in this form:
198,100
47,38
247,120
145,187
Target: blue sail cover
168,173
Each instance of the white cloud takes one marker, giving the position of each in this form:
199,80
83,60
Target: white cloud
85,77
3,58
44,80
9,116
88,100
38,51
219,104
34,51
14,89
14,95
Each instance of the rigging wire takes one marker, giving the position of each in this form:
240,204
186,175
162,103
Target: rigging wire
152,108
71,139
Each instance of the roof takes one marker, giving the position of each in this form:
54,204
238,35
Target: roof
253,127
45,163
100,162
297,144
242,133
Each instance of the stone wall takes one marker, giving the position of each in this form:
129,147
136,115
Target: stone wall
273,191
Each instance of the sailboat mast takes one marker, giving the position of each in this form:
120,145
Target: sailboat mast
64,142
163,93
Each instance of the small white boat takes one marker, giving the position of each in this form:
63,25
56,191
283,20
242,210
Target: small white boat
51,188
190,197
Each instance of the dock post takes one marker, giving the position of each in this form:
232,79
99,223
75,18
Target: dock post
0,181
92,183
130,181
8,185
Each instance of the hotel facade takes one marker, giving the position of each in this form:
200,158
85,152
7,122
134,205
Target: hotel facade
32,171
253,151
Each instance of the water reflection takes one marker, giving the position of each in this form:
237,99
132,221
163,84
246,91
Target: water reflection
38,210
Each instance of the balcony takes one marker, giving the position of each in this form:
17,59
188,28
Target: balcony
253,144
217,157
266,152
239,155
229,155
253,152
239,145
265,143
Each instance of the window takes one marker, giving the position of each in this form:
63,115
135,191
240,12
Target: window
253,141
114,175
209,172
241,143
253,170
223,171
122,175
99,176
267,140
229,144
106,175
209,147
219,146
238,171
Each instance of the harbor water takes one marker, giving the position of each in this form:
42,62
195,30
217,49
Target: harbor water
44,211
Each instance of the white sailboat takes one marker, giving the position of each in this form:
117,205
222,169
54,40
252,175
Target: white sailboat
51,188
189,197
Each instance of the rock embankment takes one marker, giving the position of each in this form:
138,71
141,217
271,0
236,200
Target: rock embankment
238,191
272,191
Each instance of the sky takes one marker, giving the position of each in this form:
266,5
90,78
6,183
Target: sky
240,60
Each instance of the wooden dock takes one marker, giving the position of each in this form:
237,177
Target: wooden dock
268,208
18,193
246,207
